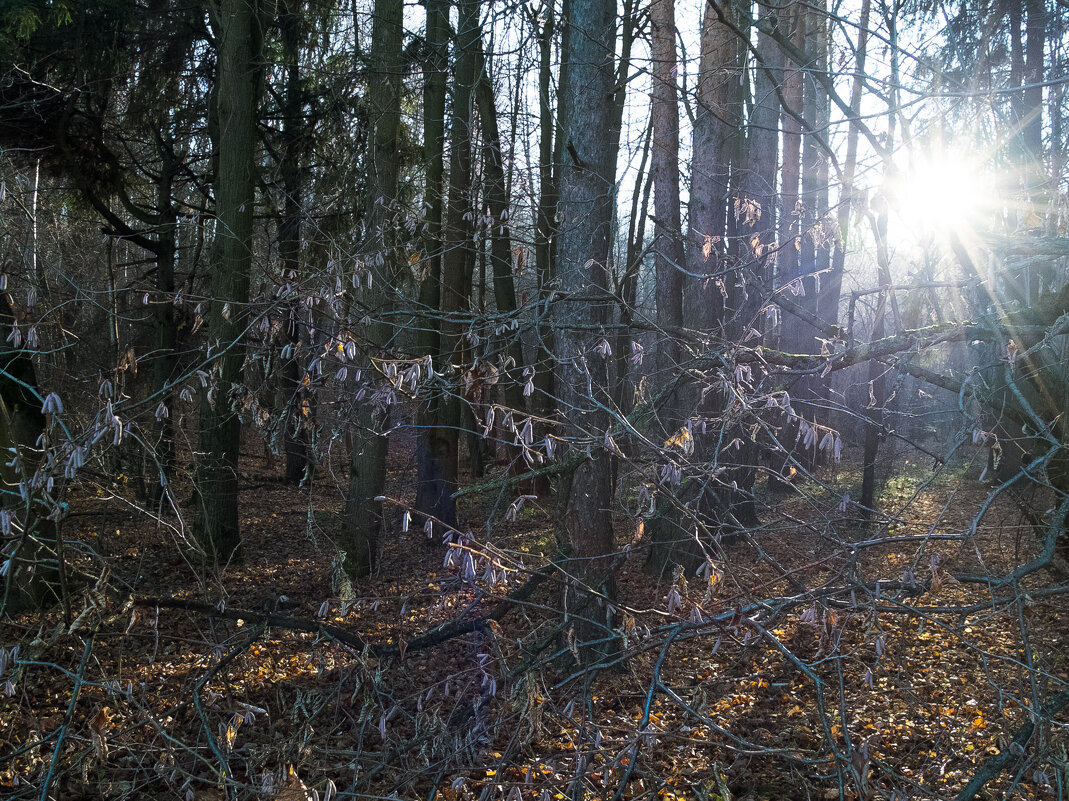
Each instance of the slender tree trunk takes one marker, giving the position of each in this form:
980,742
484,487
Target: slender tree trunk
808,392
716,127
793,334
544,400
666,533
816,160
755,219
1038,180
668,244
787,259
757,215
164,363
31,580
497,201
362,523
1035,51
624,388
429,489
831,289
238,87
443,456
586,196
294,436
877,372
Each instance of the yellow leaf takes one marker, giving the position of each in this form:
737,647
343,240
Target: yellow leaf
679,440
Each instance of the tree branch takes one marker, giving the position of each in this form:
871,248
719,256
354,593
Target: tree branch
435,636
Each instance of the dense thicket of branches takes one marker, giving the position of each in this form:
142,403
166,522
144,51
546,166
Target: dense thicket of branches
679,273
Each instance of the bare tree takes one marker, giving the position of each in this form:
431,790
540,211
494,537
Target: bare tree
584,308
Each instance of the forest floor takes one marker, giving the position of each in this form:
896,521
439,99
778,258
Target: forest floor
145,700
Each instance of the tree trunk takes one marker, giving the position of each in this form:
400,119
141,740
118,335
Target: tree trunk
716,125
165,361
667,536
788,271
441,466
294,434
544,397
755,216
429,489
668,246
624,389
586,196
808,393
787,258
831,289
31,580
877,372
237,91
497,201
363,520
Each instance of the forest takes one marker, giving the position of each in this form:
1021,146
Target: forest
534,399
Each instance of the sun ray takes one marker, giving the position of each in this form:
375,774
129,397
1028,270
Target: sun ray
942,193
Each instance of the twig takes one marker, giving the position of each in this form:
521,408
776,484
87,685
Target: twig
1015,751
435,636
67,718
254,635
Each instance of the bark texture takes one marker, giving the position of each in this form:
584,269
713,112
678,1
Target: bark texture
585,210
237,95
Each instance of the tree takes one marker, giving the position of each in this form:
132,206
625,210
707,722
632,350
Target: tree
431,492
585,205
363,520
440,462
237,25
33,578
295,141
666,531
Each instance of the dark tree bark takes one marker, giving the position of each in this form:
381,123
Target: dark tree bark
33,578
544,400
668,237
813,258
665,530
624,390
497,201
831,289
877,371
441,460
166,357
237,92
716,129
294,143
874,430
795,334
586,197
362,523
787,259
429,488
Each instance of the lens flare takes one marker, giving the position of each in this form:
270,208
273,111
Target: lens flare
942,193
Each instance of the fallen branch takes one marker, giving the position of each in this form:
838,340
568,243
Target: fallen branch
1015,751
435,636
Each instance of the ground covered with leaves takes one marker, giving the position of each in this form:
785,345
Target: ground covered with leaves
820,657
